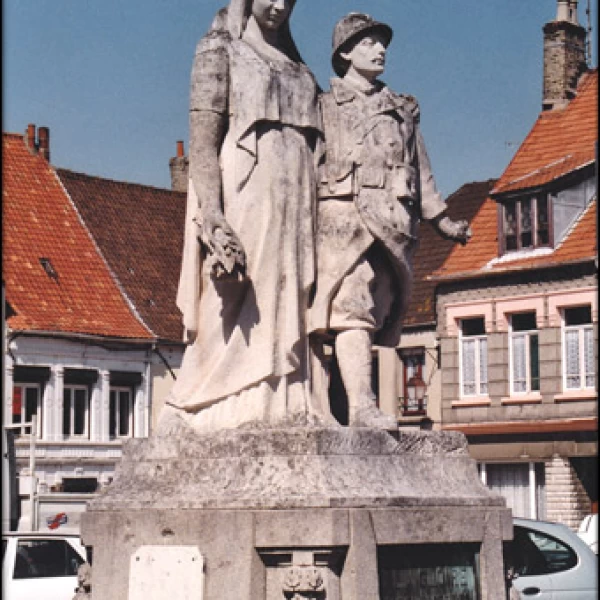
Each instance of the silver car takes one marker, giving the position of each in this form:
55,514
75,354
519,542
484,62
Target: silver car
550,561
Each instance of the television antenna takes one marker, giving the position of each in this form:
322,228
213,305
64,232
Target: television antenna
588,41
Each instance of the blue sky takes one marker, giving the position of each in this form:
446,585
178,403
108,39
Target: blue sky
110,78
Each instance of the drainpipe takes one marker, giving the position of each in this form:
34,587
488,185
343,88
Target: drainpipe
33,478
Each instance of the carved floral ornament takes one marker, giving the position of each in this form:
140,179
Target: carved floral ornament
302,583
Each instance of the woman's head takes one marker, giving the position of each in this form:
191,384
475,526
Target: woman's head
271,14
239,11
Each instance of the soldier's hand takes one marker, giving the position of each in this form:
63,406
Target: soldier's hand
458,231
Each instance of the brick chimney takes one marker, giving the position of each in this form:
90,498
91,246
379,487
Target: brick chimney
31,137
179,170
564,56
42,144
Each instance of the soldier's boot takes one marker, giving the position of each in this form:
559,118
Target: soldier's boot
353,352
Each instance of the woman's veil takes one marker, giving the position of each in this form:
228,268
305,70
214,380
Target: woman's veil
233,20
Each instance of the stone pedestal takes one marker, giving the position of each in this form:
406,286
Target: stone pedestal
299,513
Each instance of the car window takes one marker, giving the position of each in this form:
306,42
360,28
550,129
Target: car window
45,558
536,553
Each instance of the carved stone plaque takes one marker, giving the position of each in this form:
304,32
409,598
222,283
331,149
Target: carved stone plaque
166,573
429,572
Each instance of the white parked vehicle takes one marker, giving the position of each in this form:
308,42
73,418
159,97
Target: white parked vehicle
40,565
551,562
588,532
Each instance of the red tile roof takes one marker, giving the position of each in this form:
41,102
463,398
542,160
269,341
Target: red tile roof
142,244
433,250
39,222
560,142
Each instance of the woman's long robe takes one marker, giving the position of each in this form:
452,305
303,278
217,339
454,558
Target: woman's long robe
249,360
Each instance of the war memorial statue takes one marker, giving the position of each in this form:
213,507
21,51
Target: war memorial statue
249,488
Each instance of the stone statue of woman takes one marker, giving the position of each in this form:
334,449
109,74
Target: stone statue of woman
248,263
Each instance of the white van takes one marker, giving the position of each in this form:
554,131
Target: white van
40,565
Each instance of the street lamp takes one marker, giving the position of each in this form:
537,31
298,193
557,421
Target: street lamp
415,389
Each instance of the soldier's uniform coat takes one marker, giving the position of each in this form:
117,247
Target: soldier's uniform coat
375,186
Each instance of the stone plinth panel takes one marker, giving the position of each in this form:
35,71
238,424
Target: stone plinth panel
274,512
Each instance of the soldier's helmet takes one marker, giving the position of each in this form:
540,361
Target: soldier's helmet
350,27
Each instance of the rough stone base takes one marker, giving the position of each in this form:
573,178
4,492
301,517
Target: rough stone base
287,514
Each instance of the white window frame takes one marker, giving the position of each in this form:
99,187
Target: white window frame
118,390
581,329
535,201
72,388
527,335
480,391
24,387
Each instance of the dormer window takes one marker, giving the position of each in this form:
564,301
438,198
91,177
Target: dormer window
542,218
525,223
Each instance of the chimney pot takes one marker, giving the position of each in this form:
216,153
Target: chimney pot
44,142
180,150
573,12
562,11
31,136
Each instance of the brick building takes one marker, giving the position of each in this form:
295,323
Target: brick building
518,317
408,381
92,334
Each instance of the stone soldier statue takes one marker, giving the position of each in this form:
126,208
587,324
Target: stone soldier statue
375,186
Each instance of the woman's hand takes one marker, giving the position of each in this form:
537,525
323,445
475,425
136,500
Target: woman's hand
223,245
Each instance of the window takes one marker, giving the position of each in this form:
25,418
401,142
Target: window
76,411
533,552
121,412
524,354
473,357
28,391
414,401
122,402
578,348
25,404
522,485
525,223
79,485
542,219
45,558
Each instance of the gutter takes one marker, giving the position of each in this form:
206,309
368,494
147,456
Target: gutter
94,339
164,360
507,270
